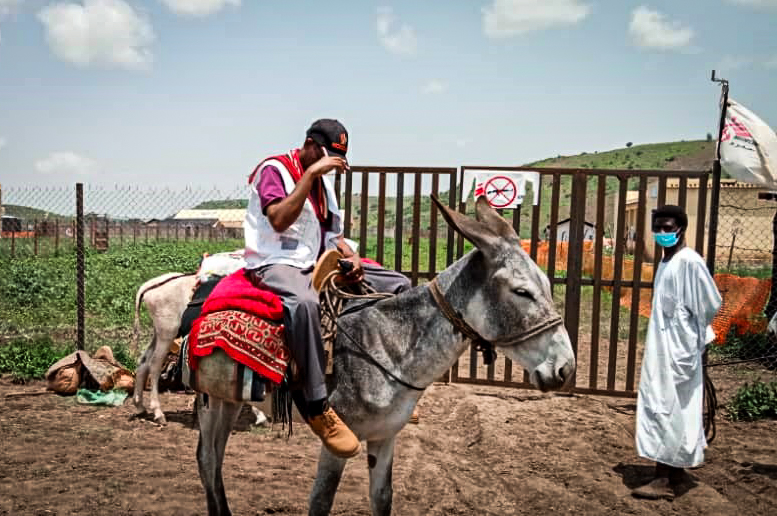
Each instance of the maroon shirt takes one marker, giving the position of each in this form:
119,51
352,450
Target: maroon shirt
270,189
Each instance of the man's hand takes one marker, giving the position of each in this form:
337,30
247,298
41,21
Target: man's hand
324,165
357,273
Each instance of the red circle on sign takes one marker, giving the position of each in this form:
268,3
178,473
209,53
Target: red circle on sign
500,191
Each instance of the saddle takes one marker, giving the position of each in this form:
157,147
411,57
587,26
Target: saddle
249,354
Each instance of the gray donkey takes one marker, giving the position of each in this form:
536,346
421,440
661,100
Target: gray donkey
386,354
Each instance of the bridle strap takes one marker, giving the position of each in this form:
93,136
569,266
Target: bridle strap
540,328
481,344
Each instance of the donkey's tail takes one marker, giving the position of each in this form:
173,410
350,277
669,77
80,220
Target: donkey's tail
149,285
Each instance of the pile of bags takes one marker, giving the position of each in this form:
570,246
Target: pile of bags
100,372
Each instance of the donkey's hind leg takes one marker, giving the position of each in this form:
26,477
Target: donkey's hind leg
141,375
217,418
330,471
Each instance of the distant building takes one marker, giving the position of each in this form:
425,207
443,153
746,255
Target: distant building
563,230
227,222
222,216
744,221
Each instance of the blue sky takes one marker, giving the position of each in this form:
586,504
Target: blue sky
173,92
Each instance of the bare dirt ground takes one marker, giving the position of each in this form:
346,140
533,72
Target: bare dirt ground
478,450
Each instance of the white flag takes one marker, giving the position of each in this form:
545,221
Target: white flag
748,147
503,189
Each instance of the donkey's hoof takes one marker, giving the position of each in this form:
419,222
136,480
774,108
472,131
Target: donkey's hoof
160,420
138,415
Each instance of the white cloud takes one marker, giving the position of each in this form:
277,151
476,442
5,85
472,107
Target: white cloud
505,18
400,40
755,3
7,7
731,63
66,163
434,86
651,29
198,7
98,32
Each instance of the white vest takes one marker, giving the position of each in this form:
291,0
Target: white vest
298,246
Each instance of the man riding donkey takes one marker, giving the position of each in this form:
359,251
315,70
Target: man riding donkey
292,218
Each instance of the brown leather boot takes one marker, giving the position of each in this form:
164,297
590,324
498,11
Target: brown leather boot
336,436
414,417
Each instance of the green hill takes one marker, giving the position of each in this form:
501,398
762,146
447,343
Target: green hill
683,155
227,204
26,213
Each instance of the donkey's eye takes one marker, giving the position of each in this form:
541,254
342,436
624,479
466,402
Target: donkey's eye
523,293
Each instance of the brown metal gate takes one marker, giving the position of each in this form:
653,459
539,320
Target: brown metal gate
591,264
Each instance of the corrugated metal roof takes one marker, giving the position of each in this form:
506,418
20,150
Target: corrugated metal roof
231,215
724,183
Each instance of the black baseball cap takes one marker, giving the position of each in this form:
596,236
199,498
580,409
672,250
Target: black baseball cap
330,134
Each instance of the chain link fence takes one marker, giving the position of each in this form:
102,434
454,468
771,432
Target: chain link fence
745,345
130,235
133,234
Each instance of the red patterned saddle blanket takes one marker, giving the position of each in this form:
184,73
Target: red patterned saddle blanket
244,322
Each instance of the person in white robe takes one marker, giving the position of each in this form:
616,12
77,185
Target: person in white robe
670,426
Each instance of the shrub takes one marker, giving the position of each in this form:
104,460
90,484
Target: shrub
29,359
754,401
745,345
629,144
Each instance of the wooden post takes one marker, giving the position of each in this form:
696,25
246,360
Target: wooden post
731,248
80,266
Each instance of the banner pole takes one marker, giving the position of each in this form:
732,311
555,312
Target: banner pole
716,176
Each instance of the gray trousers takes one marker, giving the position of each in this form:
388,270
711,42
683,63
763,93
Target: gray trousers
302,319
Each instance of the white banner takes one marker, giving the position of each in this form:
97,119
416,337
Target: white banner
503,189
748,147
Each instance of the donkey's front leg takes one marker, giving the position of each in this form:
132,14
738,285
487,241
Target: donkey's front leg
380,458
330,471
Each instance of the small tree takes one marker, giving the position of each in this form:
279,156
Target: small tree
629,144
709,137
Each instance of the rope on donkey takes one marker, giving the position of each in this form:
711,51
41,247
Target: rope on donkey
333,300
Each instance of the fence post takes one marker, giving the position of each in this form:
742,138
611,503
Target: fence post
80,265
56,236
35,235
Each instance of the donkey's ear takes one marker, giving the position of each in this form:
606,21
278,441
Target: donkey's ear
489,216
473,230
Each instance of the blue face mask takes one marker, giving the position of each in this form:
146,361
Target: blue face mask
667,239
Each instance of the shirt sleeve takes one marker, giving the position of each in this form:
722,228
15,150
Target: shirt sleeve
270,187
